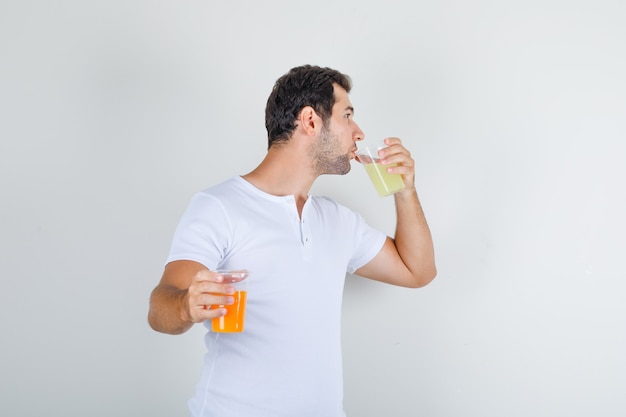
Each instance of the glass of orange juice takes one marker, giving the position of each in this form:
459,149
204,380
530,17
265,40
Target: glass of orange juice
233,321
384,182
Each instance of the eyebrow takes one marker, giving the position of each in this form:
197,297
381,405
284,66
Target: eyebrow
350,108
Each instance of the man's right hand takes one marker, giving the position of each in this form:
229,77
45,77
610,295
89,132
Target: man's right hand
185,295
207,289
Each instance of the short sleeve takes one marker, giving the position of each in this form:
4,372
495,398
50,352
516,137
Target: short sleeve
368,242
203,233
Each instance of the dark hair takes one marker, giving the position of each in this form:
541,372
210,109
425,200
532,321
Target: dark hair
302,86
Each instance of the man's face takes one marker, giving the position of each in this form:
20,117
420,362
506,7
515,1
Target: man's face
336,144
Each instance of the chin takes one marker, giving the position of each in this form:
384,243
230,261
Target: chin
340,166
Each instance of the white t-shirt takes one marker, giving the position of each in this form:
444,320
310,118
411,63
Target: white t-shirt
287,361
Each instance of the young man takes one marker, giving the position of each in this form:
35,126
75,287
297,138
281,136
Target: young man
297,247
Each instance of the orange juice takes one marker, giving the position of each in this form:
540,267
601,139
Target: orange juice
233,321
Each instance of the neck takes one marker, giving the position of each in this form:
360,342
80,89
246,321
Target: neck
282,172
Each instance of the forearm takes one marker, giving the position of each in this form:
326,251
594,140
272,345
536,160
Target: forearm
413,239
168,313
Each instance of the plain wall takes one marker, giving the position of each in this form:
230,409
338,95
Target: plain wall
113,113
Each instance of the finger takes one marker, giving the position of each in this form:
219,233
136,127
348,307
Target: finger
400,158
205,301
213,300
208,306
208,276
203,313
398,168
393,147
392,141
208,287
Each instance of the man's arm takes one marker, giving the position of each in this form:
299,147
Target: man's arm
407,260
184,296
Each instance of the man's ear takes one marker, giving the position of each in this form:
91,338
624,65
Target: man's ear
309,121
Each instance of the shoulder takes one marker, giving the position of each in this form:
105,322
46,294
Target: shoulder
221,192
329,206
224,188
327,203
211,200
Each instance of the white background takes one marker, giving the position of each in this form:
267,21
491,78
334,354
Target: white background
113,113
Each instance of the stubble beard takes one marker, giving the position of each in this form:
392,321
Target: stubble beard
325,159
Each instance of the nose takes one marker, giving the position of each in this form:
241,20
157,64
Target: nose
358,133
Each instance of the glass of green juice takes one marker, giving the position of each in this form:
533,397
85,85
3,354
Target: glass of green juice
384,182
